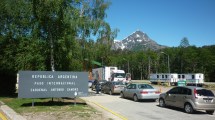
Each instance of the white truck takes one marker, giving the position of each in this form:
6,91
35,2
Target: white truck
109,74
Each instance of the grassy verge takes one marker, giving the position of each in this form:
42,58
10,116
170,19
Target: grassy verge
23,106
210,86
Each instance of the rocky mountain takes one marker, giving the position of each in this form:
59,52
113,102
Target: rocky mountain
137,41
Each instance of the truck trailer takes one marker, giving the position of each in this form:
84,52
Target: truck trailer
108,74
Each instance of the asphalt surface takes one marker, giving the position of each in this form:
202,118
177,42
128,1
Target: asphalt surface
126,109
116,108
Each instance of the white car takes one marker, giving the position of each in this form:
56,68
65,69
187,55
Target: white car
138,91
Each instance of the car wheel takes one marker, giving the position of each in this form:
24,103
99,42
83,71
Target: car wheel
161,102
188,108
136,98
211,112
110,92
122,95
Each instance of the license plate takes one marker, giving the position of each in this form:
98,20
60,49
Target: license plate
207,99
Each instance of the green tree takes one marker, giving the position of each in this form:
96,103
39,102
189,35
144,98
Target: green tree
184,43
46,34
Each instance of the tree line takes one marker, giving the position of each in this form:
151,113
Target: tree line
56,35
53,35
190,59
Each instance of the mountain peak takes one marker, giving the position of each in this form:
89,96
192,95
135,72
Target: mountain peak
138,40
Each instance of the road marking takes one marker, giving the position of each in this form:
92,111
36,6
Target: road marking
2,117
118,115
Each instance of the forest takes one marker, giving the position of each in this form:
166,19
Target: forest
66,35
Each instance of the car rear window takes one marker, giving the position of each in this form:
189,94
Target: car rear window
204,92
145,86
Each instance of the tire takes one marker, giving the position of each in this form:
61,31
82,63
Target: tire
104,91
122,95
135,98
211,112
162,102
110,92
188,108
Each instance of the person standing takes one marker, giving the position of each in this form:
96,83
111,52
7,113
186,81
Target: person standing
96,82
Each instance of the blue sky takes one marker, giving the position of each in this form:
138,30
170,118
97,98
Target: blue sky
165,21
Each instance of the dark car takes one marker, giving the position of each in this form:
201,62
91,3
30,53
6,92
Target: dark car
112,87
101,82
190,98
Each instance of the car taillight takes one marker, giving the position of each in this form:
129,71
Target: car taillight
157,92
143,92
195,93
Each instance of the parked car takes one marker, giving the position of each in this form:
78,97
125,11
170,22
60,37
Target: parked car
190,98
138,91
112,87
100,84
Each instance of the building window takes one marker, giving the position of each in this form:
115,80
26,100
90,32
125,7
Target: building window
183,76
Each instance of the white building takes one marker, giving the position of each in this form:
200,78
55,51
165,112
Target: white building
173,78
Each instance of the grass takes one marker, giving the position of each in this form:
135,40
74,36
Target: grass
43,105
62,108
210,86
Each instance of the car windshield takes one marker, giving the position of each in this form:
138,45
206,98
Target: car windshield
145,86
204,92
119,75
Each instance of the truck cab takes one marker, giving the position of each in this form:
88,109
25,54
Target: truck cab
118,75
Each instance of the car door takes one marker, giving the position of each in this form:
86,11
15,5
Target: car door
128,90
181,98
132,90
170,98
106,87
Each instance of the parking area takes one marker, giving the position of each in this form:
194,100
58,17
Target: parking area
147,110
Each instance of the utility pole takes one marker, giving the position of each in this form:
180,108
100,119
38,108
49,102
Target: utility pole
149,68
168,60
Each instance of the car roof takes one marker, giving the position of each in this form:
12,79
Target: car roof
191,87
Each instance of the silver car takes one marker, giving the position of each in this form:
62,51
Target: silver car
112,87
139,91
190,98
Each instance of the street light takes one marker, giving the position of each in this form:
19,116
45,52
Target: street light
168,60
